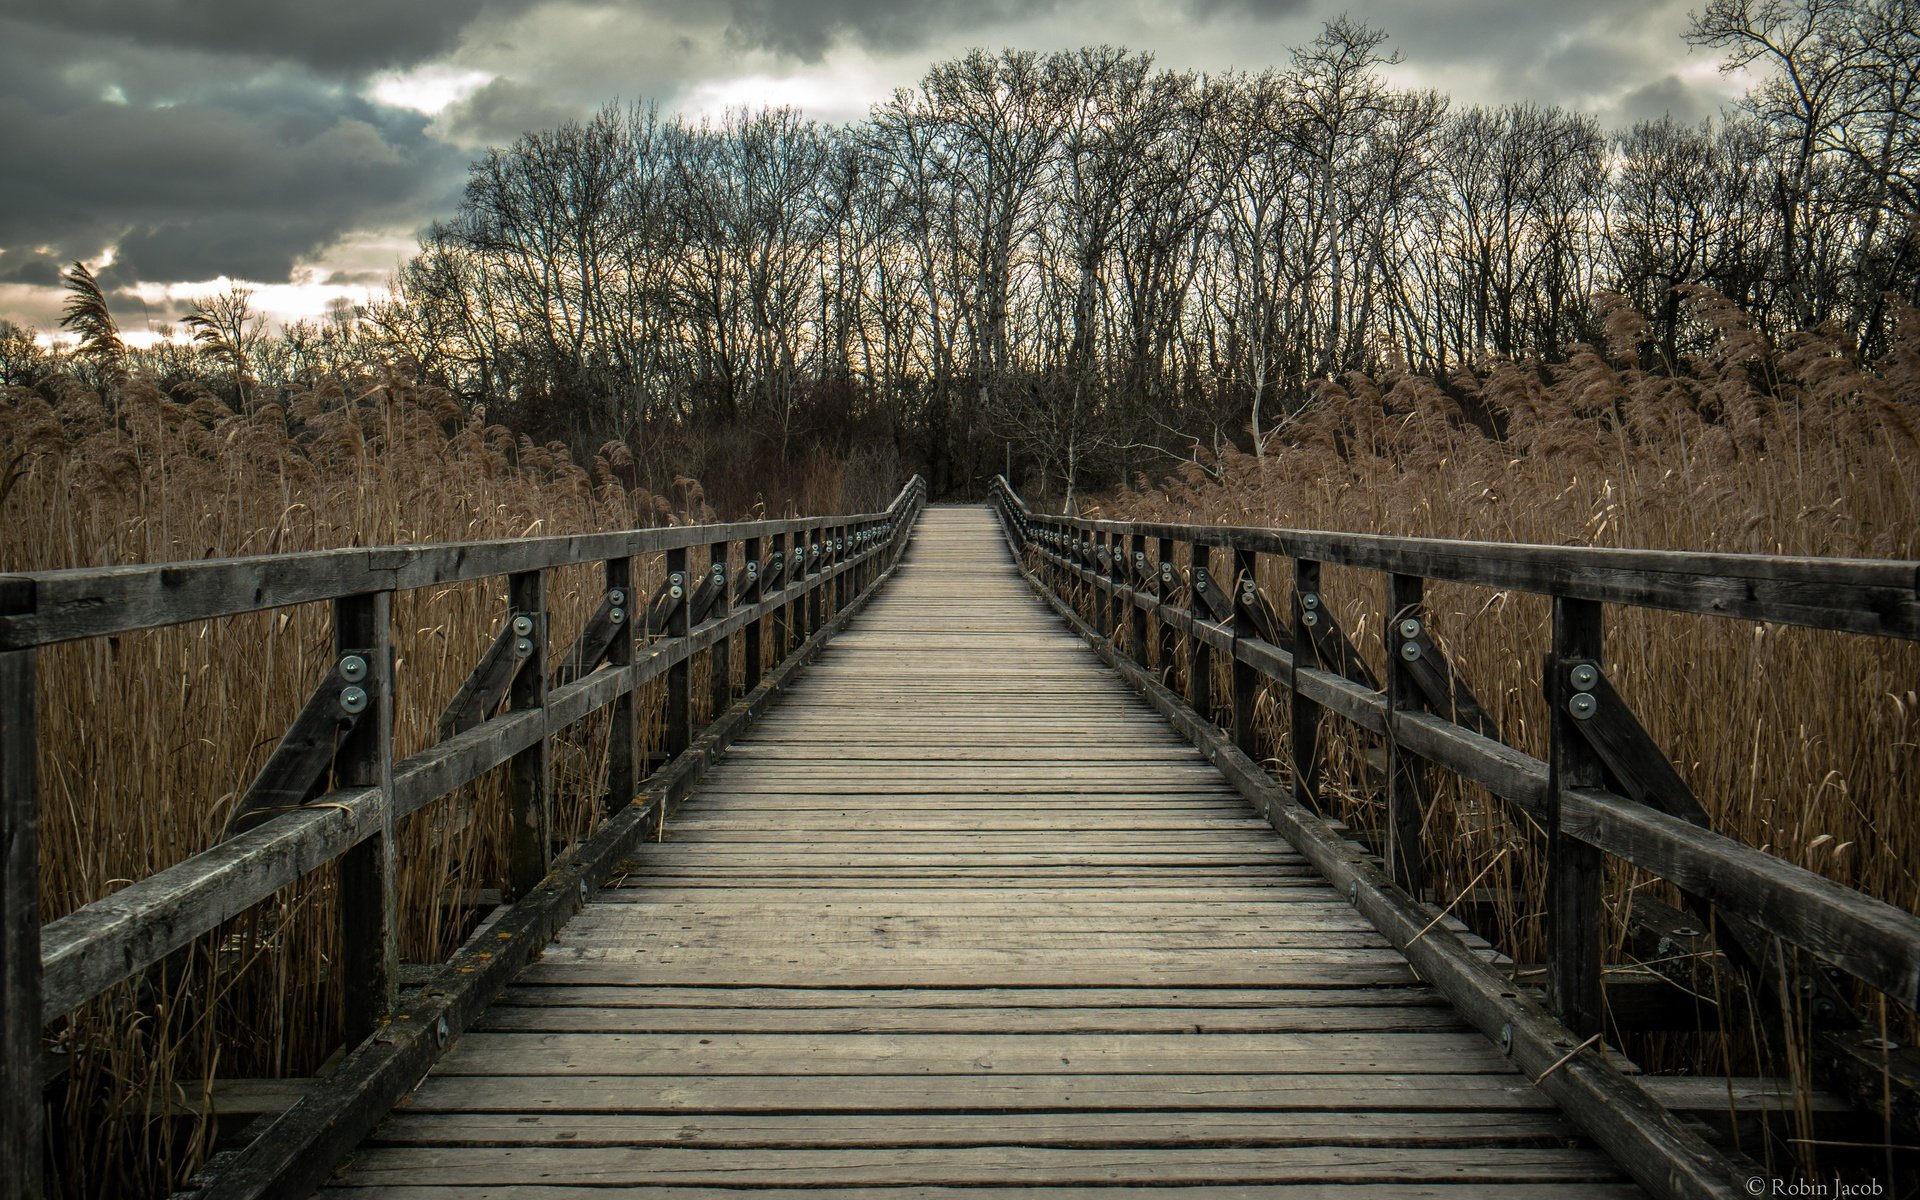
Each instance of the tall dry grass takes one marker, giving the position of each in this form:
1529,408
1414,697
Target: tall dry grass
1801,742
147,739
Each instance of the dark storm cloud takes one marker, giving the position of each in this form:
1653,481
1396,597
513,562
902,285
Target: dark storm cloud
807,29
1264,9
328,35
500,111
193,173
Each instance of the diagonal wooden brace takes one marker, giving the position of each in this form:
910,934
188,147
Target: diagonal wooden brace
1446,693
1336,653
669,597
299,766
1250,601
712,586
484,688
1207,592
595,640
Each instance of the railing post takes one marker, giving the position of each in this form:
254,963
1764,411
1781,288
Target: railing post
22,1109
1304,725
816,563
1116,606
369,948
1199,651
783,612
720,657
1407,774
680,674
1574,922
751,642
531,770
623,724
1246,681
1163,648
1139,617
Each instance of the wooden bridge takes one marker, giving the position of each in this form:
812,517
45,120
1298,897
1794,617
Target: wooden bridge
973,910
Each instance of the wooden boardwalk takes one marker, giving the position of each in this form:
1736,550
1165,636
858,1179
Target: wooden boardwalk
962,916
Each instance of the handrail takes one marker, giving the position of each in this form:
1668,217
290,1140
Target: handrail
1605,787
797,576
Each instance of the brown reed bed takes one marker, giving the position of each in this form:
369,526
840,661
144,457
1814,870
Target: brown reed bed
1801,742
147,739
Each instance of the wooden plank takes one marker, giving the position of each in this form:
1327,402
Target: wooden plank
530,771
369,929
22,1110
1574,868
1476,1190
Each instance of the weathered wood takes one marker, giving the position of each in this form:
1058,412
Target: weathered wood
22,1111
530,771
1199,652
369,929
297,770
1408,785
1662,1155
590,648
484,688
303,1144
679,675
1870,939
720,658
749,595
1304,713
623,728
1573,867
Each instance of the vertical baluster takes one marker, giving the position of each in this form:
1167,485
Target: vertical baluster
22,1114
1163,649
1408,775
1246,681
720,657
816,564
754,650
623,728
531,839
1116,606
1139,616
680,674
364,758
1199,653
1305,714
782,613
1573,867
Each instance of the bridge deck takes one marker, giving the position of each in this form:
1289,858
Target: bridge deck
963,913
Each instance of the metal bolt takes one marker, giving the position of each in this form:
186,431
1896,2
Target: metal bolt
753,570
1585,676
523,647
1506,1038
1247,595
1353,892
583,891
616,596
1409,628
677,579
523,625
1166,571
1310,617
1583,706
719,570
441,1032
1200,582
617,615
353,668
676,591
353,699
1309,600
1410,651
1686,931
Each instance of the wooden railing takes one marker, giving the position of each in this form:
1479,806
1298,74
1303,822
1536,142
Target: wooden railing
1605,787
797,580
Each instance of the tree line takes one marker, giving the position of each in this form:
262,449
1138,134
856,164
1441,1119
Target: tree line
1087,267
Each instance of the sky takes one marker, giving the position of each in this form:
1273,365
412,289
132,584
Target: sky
180,146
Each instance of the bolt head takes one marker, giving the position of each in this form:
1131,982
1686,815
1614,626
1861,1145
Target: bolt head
753,570
1583,706
676,579
1410,651
353,668
720,570
1585,676
442,1032
1310,617
523,647
676,591
1409,628
1200,583
1166,571
616,596
1309,600
353,699
617,615
523,625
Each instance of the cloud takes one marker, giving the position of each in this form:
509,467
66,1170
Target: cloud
346,36
499,112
